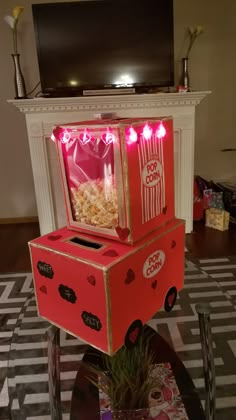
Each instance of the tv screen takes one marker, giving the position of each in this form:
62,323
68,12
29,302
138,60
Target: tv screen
98,44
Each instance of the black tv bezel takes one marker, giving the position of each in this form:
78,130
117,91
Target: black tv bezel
70,91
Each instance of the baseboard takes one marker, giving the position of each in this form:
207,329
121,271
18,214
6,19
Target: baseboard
13,220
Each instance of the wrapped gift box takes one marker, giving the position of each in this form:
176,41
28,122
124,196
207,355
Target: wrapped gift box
102,291
217,219
117,176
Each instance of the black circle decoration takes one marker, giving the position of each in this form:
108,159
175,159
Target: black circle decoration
133,334
170,299
67,293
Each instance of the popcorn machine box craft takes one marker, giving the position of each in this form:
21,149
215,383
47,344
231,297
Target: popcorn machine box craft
117,176
101,290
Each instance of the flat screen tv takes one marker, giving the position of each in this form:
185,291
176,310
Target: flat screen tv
100,44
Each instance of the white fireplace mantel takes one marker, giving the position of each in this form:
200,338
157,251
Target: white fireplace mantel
43,113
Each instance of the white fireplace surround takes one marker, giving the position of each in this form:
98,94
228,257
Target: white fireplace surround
44,113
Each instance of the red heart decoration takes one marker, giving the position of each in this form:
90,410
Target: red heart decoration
154,284
173,244
110,253
133,335
123,233
130,276
91,280
43,289
56,132
54,237
164,210
171,299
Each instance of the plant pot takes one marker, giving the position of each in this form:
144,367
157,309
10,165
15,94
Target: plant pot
138,414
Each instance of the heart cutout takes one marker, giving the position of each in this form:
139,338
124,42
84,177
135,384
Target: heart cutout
91,280
123,233
154,284
133,335
173,244
171,299
164,210
43,289
130,276
110,253
54,237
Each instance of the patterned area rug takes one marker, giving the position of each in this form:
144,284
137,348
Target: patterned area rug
23,357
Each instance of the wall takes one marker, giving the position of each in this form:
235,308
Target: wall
212,67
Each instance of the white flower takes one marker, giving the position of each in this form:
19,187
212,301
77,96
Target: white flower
10,21
190,30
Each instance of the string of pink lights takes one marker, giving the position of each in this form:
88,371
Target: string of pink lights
108,137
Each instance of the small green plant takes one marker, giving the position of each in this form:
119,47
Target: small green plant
126,378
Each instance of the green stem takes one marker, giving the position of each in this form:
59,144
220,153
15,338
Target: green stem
15,41
190,45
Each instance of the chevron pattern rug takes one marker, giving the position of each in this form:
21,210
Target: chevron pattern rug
23,357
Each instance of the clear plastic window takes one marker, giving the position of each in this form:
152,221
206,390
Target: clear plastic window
91,181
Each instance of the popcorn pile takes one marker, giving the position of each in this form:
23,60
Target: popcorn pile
95,203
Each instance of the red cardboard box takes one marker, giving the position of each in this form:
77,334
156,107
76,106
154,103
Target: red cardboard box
102,291
117,176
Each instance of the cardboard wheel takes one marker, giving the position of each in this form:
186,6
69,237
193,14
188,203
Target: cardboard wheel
133,334
170,299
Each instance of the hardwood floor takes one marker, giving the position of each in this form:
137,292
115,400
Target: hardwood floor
202,243
14,246
210,243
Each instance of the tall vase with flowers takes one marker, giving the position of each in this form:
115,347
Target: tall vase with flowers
19,82
193,34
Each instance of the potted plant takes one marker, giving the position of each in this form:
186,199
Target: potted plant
126,379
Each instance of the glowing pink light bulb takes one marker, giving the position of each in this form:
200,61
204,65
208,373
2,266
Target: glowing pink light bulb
108,137
85,137
161,131
133,136
147,132
65,137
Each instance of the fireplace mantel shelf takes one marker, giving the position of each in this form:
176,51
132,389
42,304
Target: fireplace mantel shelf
106,103
43,113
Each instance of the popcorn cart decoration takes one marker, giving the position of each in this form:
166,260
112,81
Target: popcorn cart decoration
103,291
117,176
118,183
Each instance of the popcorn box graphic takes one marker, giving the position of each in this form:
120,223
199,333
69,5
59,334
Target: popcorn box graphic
117,176
103,291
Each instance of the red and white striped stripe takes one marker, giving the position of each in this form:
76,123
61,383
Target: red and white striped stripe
152,198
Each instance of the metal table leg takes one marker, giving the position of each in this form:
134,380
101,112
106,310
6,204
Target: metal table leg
203,310
53,336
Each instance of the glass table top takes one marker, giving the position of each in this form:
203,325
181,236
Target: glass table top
28,378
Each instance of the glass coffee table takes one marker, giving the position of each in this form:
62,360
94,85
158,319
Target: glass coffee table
47,380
